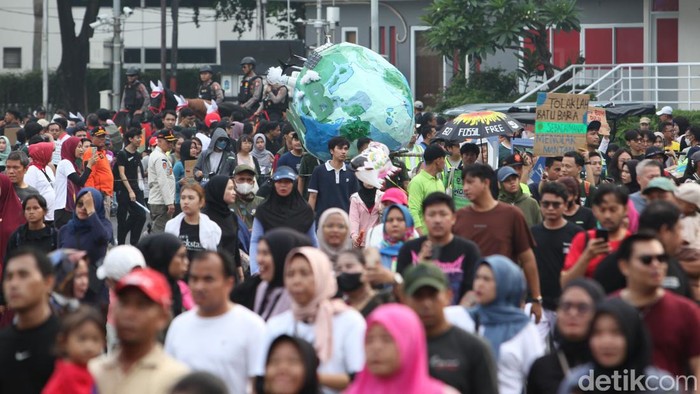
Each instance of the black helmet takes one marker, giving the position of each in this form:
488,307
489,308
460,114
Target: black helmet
248,60
132,71
205,69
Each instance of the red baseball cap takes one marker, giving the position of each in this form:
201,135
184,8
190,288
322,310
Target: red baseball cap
395,195
150,282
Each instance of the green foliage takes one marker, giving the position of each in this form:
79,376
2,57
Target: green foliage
478,28
488,86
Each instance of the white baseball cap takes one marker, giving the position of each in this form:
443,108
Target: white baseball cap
689,192
665,111
418,104
119,261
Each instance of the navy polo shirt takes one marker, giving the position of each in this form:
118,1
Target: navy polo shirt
333,187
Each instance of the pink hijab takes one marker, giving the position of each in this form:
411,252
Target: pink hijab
412,377
322,308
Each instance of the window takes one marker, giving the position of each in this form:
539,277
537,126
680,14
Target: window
350,34
12,58
613,45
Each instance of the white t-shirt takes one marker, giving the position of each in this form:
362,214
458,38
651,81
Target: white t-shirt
56,157
515,355
36,179
348,341
64,169
227,346
214,161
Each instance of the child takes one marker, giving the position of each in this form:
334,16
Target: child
81,338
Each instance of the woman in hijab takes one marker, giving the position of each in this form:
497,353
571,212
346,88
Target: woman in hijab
5,149
11,213
271,298
71,276
569,341
188,151
285,207
397,355
365,206
620,346
91,231
40,175
70,177
264,157
398,227
499,287
220,194
334,232
290,367
335,330
167,255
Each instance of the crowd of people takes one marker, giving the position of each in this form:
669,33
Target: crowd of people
238,262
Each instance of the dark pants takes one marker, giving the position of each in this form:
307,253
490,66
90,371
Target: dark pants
130,217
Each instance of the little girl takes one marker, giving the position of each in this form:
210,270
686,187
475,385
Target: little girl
81,338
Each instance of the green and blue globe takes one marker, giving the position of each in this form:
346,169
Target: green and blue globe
351,91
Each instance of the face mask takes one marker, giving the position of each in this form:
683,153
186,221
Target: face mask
244,188
349,281
221,144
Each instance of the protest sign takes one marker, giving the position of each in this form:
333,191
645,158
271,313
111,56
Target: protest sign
595,113
560,123
189,168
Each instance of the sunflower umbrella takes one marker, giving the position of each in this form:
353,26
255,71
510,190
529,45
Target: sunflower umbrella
480,124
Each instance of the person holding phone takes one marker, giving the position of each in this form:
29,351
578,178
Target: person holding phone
102,176
589,248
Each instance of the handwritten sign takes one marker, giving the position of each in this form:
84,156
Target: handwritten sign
595,113
560,123
189,168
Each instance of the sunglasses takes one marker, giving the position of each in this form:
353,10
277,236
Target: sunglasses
580,307
552,204
646,259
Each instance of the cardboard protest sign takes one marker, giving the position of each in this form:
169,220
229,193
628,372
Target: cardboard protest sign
189,168
595,113
560,123
11,134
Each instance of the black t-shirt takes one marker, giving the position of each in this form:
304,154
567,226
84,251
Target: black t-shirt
132,165
27,357
24,193
457,260
550,252
189,235
583,218
463,361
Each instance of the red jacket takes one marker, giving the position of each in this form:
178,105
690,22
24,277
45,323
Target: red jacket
69,378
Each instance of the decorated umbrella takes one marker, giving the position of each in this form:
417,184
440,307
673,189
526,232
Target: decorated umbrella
482,124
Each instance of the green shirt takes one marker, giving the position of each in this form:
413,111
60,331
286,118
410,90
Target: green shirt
453,187
420,187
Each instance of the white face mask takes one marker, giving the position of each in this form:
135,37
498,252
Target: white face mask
244,188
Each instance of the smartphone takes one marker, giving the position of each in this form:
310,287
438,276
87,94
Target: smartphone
94,151
602,233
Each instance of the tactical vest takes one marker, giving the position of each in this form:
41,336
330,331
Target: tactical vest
247,88
206,92
132,100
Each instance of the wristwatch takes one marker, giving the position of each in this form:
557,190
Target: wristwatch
398,279
537,300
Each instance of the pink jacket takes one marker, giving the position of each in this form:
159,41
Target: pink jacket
361,219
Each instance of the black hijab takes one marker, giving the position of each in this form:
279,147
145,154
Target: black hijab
291,211
281,241
185,151
159,250
367,196
309,358
578,352
638,342
218,211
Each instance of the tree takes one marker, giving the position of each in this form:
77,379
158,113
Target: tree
75,53
478,28
241,13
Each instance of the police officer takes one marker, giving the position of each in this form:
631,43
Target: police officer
134,98
250,93
275,101
161,182
208,89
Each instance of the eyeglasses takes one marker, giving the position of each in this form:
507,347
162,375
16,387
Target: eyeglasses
580,307
646,259
553,204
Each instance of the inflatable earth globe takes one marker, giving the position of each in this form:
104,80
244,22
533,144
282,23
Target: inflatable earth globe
351,91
